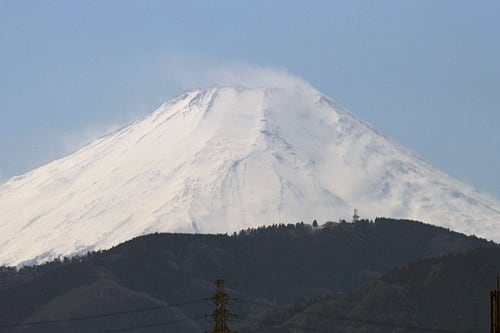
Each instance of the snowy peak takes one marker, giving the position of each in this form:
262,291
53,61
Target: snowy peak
222,159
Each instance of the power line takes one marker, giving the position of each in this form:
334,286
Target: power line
351,319
299,327
101,315
239,300
159,324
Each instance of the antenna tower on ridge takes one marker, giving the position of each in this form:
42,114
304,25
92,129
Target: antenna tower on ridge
355,216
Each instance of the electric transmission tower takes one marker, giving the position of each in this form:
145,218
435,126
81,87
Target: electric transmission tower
221,314
495,308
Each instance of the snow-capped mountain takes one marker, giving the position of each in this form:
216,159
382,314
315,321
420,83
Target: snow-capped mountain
226,158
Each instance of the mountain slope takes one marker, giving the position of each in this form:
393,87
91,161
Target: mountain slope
444,294
273,264
222,159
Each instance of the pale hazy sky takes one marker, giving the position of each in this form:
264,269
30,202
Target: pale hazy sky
426,73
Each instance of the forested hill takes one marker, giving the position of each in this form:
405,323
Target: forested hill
448,294
281,264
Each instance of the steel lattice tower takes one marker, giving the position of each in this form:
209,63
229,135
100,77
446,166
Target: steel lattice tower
220,314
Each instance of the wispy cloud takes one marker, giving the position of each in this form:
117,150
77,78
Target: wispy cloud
188,72
72,141
171,74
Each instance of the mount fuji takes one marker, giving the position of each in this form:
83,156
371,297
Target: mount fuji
225,158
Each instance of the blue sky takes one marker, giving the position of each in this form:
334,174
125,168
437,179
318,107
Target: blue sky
426,73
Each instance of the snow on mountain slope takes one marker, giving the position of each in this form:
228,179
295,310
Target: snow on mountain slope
222,159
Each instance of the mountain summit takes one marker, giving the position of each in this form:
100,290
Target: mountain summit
222,159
